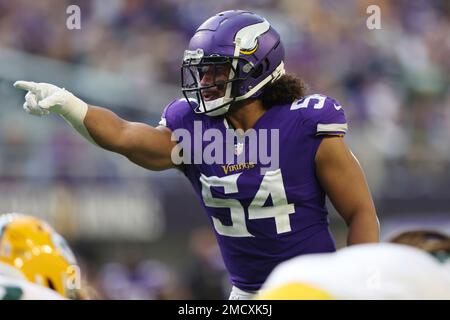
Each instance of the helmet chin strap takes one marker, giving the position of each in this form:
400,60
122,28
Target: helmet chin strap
226,100
275,75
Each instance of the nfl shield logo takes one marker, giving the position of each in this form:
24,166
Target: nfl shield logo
238,148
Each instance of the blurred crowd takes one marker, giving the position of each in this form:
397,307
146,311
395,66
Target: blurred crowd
393,82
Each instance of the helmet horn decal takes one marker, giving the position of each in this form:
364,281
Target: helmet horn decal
247,37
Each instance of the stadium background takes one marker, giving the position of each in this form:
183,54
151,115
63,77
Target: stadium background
141,234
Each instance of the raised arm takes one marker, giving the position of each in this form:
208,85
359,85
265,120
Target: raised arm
146,146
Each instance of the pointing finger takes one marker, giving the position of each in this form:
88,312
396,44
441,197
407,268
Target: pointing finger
26,85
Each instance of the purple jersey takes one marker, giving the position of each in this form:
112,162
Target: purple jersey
260,219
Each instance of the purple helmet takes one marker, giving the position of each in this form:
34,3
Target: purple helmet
243,42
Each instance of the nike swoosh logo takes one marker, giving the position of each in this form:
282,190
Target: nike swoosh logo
337,107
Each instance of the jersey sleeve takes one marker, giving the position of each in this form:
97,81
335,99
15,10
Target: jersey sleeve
179,117
177,114
322,115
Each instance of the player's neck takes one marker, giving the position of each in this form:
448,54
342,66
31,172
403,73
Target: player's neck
246,114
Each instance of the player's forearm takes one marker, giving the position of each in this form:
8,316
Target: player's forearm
105,128
142,144
363,227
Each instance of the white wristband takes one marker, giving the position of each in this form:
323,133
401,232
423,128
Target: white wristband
74,111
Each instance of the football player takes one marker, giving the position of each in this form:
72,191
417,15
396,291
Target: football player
415,266
35,261
233,77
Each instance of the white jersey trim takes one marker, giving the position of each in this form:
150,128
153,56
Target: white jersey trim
332,127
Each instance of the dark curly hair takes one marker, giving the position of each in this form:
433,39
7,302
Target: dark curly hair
283,91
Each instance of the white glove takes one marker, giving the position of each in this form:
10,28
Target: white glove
31,105
43,98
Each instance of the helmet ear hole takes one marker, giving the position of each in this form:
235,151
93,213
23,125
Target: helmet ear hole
258,71
264,66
